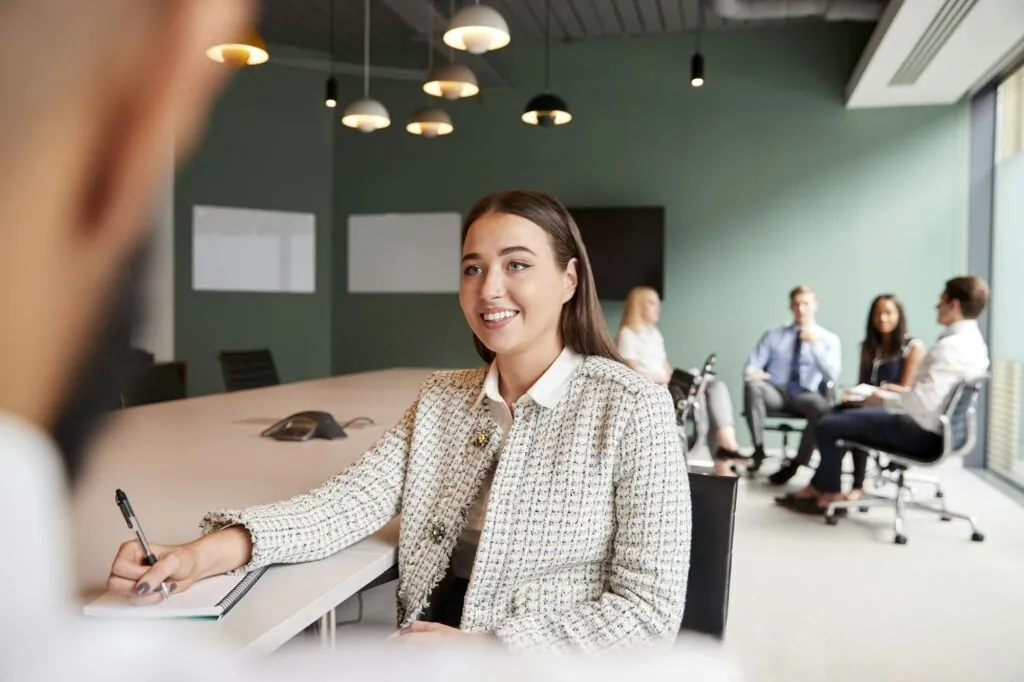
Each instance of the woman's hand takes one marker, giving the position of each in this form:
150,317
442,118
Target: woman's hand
179,566
894,388
129,576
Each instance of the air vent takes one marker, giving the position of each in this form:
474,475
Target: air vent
932,40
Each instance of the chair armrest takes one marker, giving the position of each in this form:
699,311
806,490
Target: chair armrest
829,389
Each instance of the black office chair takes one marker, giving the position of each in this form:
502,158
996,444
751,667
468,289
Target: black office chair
782,421
245,369
713,503
959,435
688,391
713,500
156,383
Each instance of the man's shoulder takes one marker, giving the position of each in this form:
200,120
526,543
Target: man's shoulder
777,330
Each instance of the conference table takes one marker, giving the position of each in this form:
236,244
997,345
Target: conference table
177,460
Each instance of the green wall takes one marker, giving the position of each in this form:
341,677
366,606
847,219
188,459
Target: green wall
766,178
268,146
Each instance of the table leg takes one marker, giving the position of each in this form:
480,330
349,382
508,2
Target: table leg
328,624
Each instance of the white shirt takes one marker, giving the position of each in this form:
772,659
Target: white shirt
645,347
546,391
960,354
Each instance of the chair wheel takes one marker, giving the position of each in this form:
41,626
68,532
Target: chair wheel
831,519
862,510
900,539
977,537
946,518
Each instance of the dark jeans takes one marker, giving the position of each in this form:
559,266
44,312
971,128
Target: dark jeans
874,427
860,457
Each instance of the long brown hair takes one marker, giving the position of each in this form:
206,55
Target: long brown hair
582,325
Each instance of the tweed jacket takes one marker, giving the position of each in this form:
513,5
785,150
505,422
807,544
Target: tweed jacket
586,538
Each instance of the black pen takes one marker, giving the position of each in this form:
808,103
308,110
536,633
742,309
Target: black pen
133,524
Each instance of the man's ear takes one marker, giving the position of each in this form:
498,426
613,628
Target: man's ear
571,280
157,105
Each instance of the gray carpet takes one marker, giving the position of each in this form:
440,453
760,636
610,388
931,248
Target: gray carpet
814,603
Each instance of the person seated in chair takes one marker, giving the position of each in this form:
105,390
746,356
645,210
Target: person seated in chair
642,346
907,419
889,357
784,373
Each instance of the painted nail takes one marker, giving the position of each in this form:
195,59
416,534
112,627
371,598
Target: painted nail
142,589
172,587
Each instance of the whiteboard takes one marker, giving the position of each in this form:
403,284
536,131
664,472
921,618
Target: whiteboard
244,249
404,253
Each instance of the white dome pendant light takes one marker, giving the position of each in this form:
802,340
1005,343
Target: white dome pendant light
366,115
547,108
477,29
430,121
451,80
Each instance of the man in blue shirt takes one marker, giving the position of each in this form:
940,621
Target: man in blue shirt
785,372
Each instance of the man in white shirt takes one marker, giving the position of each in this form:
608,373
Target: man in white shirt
905,419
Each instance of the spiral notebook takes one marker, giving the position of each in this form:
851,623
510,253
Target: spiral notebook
211,598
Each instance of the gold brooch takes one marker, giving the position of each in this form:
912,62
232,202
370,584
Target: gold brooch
480,440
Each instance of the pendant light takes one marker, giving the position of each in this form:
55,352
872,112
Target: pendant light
249,51
331,96
477,29
697,61
451,80
366,114
430,121
547,109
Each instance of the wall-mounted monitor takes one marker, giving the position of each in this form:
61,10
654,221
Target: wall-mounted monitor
626,245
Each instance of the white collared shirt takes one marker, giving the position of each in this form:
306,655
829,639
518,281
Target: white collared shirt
546,392
960,354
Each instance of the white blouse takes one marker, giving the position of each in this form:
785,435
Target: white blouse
645,347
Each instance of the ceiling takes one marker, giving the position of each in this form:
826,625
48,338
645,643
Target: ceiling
929,52
397,24
400,28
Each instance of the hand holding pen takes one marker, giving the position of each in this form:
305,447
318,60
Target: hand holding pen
148,557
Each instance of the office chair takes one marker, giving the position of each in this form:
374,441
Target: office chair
782,422
245,369
688,391
713,500
959,435
156,383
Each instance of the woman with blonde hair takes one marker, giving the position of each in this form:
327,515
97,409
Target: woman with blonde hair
642,347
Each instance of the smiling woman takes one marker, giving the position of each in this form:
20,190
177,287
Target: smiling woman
544,498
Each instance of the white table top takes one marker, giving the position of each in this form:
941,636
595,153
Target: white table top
178,460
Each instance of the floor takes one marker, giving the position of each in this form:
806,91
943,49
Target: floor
814,603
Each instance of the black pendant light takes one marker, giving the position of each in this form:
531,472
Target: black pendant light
547,108
331,97
697,61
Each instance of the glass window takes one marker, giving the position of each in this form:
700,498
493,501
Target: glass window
1010,117
1006,409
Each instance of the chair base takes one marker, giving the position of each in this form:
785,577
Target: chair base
903,500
